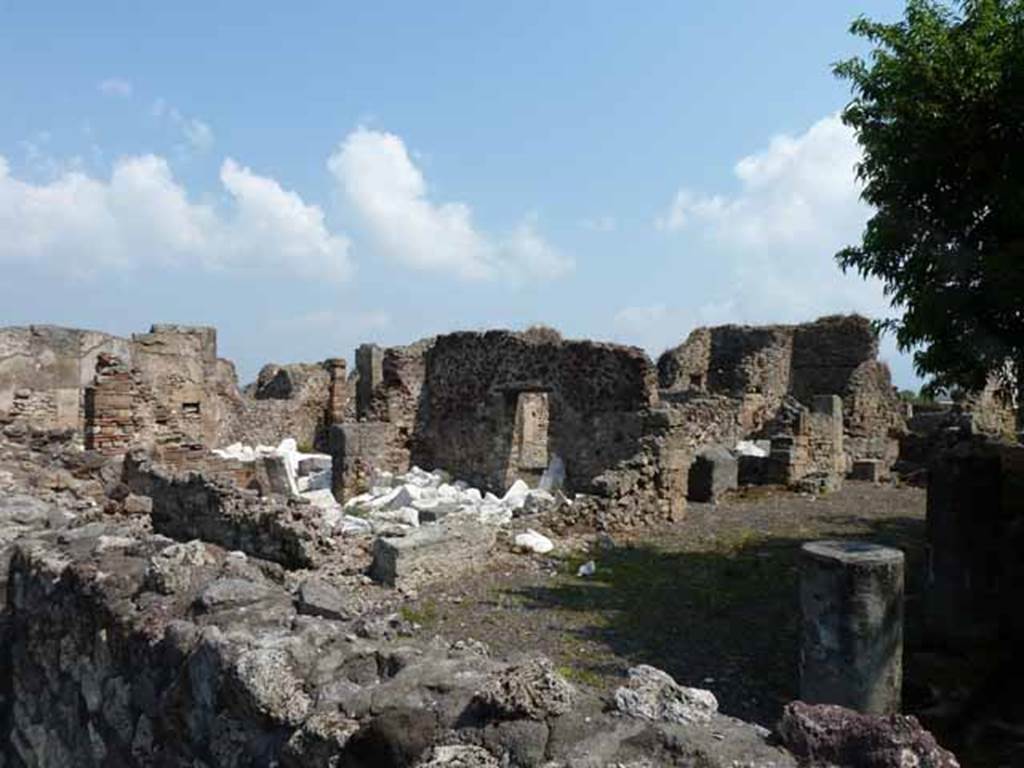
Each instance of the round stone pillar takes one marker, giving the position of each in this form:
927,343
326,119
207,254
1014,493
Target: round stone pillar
851,596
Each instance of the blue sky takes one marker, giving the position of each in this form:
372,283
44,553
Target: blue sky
313,176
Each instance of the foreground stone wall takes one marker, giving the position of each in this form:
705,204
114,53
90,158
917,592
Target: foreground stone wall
976,539
126,649
191,505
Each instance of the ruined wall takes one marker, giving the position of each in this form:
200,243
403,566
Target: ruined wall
191,505
376,431
173,393
765,365
358,448
586,401
810,453
390,382
177,366
290,401
730,360
43,370
498,406
127,650
839,355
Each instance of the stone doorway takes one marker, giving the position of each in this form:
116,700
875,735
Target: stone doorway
530,452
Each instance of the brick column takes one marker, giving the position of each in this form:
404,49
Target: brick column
338,399
109,402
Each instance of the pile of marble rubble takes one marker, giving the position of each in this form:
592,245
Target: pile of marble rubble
419,497
291,471
398,503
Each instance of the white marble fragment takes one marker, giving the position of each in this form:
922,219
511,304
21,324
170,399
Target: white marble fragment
531,541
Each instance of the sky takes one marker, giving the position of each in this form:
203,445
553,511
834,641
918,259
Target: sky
310,176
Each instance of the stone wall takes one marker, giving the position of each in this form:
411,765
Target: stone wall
173,393
124,649
494,407
975,529
358,449
191,505
44,369
390,382
299,400
811,453
765,365
497,405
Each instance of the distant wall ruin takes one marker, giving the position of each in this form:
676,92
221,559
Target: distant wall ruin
490,407
45,369
165,390
496,406
761,366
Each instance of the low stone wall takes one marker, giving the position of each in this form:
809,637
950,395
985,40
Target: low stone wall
127,650
190,506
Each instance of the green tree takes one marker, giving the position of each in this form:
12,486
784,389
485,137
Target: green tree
938,108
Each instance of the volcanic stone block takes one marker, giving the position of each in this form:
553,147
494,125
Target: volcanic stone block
967,532
851,595
370,365
712,473
317,597
444,549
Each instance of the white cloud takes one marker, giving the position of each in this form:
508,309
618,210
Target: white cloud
772,242
800,190
389,194
116,87
198,135
279,225
141,216
798,203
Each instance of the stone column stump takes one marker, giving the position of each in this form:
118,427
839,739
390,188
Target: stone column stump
851,597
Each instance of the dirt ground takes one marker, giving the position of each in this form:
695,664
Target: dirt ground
712,599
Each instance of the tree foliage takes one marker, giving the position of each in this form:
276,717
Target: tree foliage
938,108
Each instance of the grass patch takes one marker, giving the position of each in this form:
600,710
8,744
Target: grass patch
425,614
581,676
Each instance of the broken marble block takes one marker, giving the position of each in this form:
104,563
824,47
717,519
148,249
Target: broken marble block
714,472
313,463
445,549
281,480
